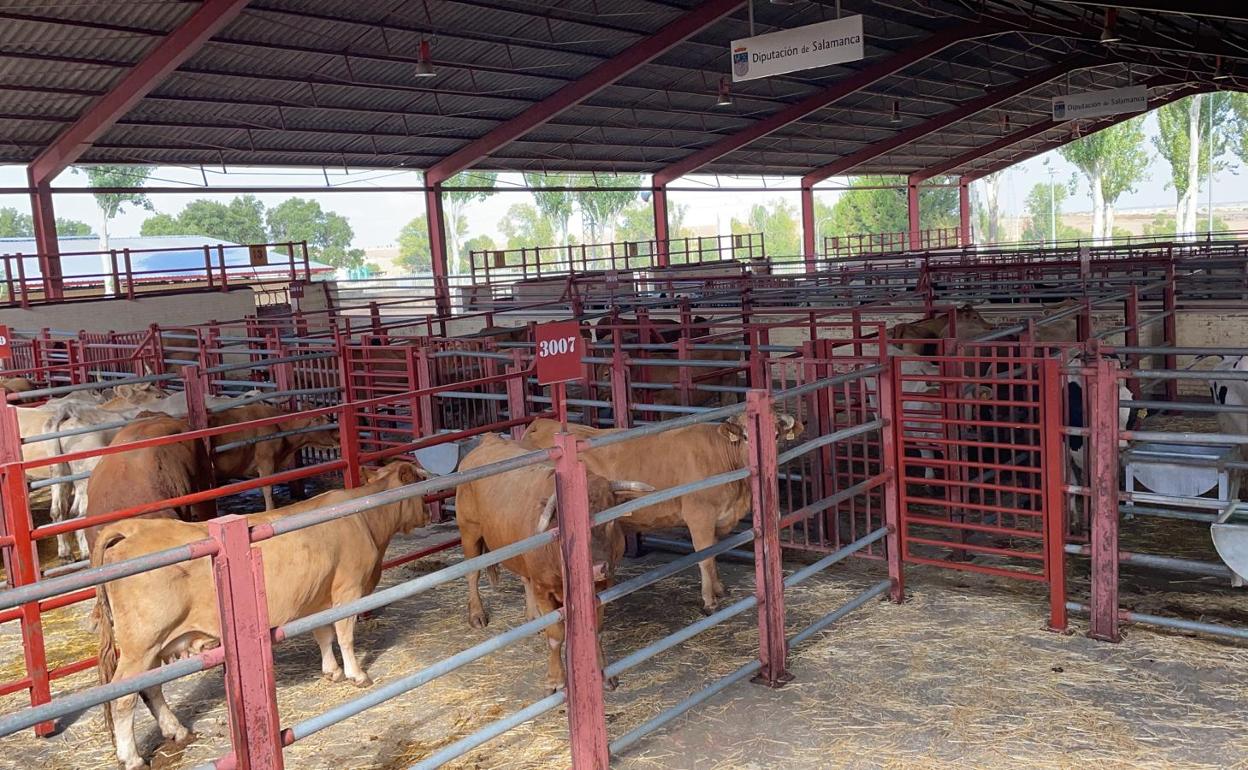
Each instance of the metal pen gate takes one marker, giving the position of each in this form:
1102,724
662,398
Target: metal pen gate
979,449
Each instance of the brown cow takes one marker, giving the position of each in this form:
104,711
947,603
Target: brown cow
913,337
267,457
15,385
150,474
661,329
673,458
497,511
172,612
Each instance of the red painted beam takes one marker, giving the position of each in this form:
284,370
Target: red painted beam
1103,123
659,208
809,229
945,119
964,212
578,90
912,210
173,50
43,216
820,99
1009,140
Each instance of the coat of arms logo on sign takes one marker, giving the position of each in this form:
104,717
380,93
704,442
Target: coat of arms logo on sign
740,61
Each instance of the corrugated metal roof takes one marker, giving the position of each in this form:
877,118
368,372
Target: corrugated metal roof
317,82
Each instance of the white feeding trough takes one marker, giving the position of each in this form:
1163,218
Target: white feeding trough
1230,537
1183,475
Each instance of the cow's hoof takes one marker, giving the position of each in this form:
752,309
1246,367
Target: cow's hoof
478,619
140,765
364,681
610,683
333,676
182,737
709,609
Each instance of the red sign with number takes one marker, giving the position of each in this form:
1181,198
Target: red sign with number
559,352
6,343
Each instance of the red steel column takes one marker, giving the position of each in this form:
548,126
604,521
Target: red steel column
1103,478
768,577
890,438
659,206
587,723
1053,473
436,219
249,682
964,212
1170,326
912,210
48,249
809,228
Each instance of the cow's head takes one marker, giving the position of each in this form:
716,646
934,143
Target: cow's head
606,541
313,439
138,394
413,513
788,427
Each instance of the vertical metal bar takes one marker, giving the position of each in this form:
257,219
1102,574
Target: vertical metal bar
307,263
768,577
1054,499
21,280
208,266
374,316
964,212
515,393
620,408
912,210
251,691
424,381
1131,319
225,277
587,723
349,445
195,386
889,386
1170,327
659,204
129,273
1103,480
809,228
47,245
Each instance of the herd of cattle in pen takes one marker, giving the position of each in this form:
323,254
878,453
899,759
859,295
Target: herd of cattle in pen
154,617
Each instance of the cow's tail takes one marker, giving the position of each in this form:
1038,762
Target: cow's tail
102,619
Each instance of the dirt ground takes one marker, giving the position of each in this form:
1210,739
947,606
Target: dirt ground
961,675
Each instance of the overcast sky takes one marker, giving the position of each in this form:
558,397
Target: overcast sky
378,217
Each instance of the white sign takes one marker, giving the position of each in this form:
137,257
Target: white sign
1098,104
801,48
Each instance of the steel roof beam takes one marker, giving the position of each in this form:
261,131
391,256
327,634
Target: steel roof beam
577,91
1009,140
817,101
173,50
943,120
1099,125
1233,10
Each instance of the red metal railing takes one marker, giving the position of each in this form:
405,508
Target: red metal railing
117,276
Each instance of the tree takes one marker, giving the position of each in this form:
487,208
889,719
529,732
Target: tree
1114,161
70,227
1183,139
414,252
637,224
1044,210
525,227
111,203
556,205
1164,225
886,209
15,224
328,234
989,209
239,221
602,206
777,221
478,243
455,205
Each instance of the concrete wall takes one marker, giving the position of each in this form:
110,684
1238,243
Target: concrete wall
125,315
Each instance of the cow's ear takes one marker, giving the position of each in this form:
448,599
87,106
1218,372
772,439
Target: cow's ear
733,428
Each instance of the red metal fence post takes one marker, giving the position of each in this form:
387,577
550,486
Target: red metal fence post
619,383
195,385
1053,473
587,722
515,393
21,563
1103,478
890,439
768,575
1170,327
1131,319
250,688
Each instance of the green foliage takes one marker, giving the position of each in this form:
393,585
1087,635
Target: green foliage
112,204
455,207
860,211
1174,141
1114,155
777,221
70,227
328,234
601,207
1164,225
525,227
15,224
414,252
555,205
239,221
479,243
1041,206
637,223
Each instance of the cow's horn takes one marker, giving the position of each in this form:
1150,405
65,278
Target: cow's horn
548,513
631,486
424,473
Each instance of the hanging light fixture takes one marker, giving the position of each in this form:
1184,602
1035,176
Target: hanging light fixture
1005,123
895,117
725,94
1109,33
424,63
